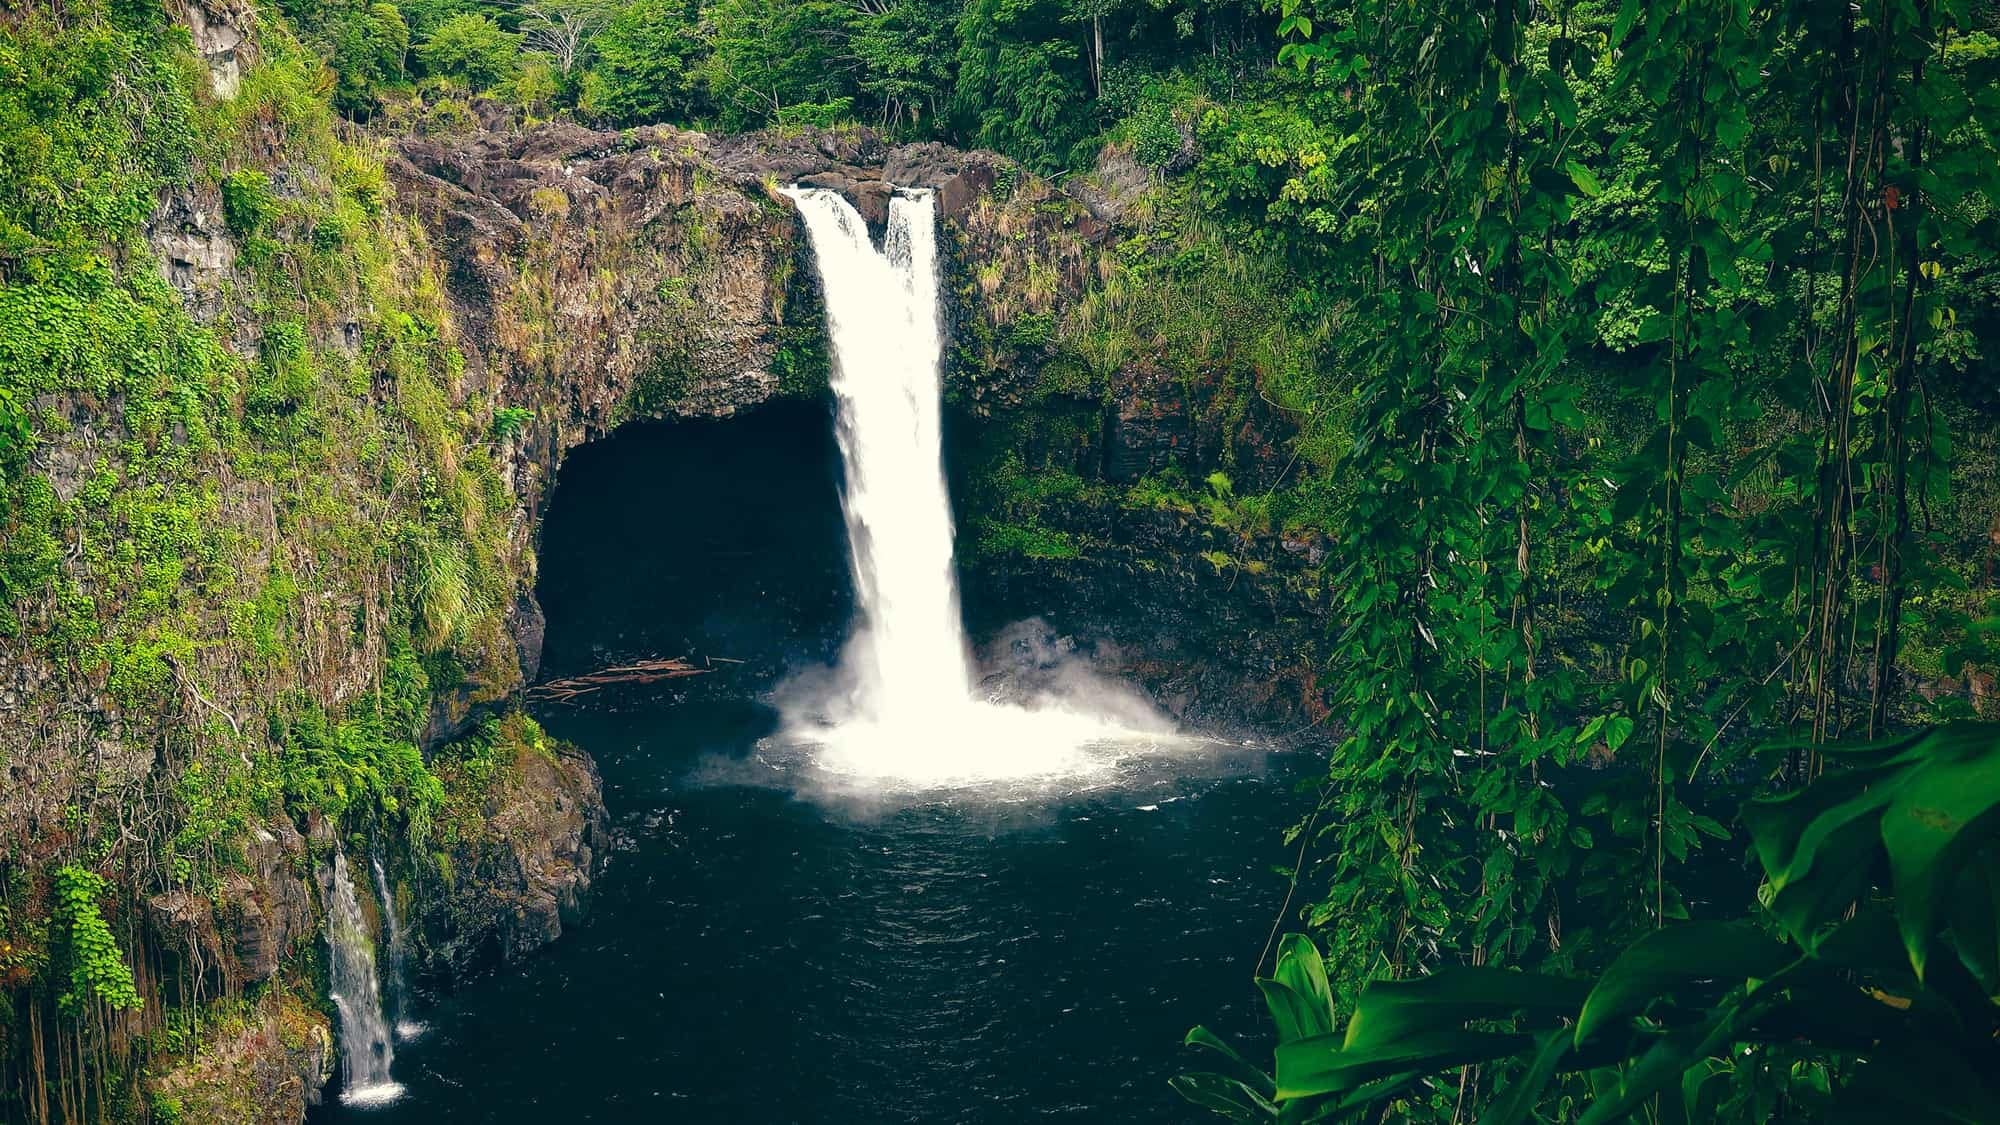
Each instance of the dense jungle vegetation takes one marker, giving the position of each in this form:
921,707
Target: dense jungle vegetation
1641,361
128,573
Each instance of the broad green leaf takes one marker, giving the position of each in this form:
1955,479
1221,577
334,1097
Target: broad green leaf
1628,13
1224,1095
1320,1066
1515,1102
1845,862
1702,1086
1296,1016
1663,1064
1617,729
1240,1068
1945,810
1390,1010
1665,961
1300,969
1975,921
1584,179
1818,814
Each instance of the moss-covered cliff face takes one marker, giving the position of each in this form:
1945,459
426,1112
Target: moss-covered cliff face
279,405
258,558
1110,450
1123,457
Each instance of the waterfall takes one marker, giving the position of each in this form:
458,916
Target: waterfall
395,985
907,680
365,1047
882,316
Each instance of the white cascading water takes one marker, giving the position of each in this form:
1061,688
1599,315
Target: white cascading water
908,710
395,987
356,992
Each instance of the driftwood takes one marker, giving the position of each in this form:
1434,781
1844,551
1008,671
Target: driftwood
642,672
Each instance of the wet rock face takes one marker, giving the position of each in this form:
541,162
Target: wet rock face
1227,624
675,280
869,196
273,910
958,178
195,249
241,934
220,29
600,277
521,871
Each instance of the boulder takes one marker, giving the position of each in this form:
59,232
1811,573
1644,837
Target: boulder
266,1069
869,196
527,843
195,250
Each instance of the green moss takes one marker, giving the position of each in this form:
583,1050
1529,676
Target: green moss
472,770
368,757
802,362
162,555
1027,542
1163,491
1032,330
99,117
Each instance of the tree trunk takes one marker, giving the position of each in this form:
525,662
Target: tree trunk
1097,55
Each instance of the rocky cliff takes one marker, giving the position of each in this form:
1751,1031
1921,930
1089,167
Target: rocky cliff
524,830
657,273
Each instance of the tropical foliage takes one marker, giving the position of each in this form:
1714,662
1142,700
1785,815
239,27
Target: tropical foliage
1863,990
1658,325
1039,79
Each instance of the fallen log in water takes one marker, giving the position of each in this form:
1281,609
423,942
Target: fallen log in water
643,672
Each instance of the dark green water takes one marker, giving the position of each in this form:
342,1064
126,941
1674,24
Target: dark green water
762,951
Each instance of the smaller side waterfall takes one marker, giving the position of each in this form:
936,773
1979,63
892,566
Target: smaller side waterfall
395,982
365,1047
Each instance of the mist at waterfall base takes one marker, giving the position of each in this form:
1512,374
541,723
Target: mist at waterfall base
901,709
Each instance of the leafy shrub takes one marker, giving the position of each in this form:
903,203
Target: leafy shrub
1877,1001
1156,137
97,969
647,65
823,115
510,420
472,49
534,85
367,758
1006,179
247,201
1032,330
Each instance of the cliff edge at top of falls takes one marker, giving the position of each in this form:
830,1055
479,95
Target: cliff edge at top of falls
622,168
658,272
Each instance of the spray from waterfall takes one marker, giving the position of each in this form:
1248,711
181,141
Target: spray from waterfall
904,705
396,986
365,1047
